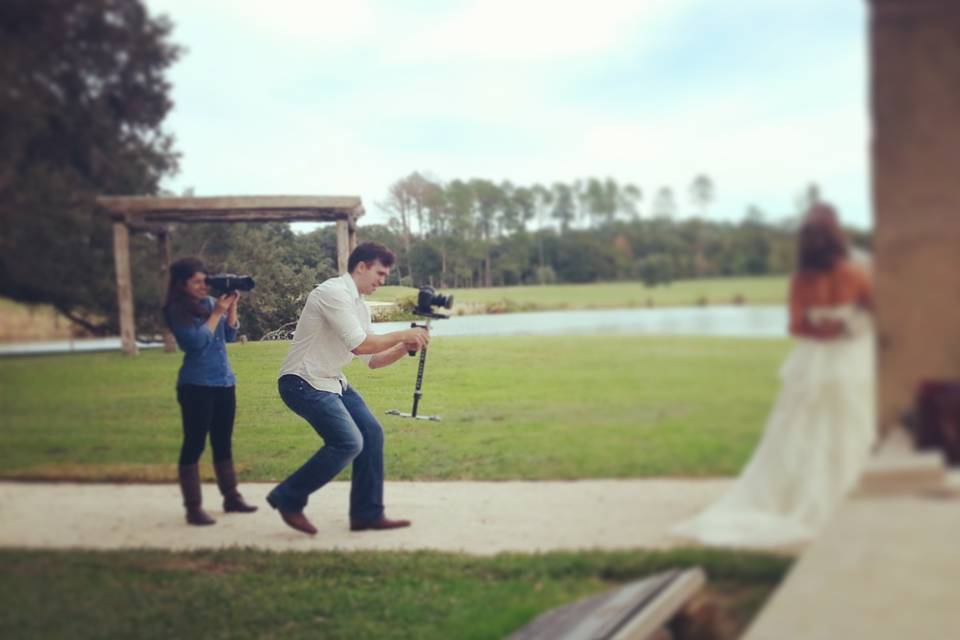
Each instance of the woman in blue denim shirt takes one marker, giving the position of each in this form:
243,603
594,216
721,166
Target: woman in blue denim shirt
205,385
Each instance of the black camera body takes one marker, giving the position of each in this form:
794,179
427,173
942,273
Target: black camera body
222,283
427,299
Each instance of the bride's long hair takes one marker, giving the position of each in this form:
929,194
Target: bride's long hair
821,242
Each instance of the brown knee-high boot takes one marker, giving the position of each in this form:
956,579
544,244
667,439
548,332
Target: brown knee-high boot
227,481
189,475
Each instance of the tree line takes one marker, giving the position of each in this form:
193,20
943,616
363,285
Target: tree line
478,233
472,217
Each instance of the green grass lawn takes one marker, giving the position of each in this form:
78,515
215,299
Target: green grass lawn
255,594
512,408
606,295
517,407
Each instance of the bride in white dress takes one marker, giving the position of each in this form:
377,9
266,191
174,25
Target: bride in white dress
822,426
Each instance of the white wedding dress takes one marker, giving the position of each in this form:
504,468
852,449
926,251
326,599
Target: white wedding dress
814,446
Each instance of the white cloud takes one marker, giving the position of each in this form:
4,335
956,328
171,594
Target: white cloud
302,25
538,30
317,97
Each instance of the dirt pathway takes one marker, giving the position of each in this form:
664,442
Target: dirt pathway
477,517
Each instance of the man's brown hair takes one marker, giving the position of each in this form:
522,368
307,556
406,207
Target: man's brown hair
369,252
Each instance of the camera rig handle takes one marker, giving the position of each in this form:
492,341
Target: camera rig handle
414,325
426,325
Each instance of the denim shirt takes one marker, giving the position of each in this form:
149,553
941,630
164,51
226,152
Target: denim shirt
204,352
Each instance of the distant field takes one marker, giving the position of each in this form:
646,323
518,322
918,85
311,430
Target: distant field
607,295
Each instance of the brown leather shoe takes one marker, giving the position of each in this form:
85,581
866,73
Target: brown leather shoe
298,521
294,519
382,523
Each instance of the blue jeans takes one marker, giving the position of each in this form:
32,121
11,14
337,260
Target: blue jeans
350,433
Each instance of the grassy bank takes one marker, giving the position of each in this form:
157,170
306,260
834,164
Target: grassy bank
22,322
608,295
253,594
512,407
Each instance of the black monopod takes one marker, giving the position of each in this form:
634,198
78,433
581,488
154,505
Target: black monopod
426,300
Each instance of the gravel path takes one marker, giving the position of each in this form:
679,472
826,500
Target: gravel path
481,518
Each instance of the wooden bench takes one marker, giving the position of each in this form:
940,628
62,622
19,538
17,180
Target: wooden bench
636,611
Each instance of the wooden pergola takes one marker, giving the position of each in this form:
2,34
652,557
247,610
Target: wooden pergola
159,215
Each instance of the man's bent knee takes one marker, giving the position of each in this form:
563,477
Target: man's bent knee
350,447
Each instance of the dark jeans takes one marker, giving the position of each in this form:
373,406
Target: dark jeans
350,433
206,410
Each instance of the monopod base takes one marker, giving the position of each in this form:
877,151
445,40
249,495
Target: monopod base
395,412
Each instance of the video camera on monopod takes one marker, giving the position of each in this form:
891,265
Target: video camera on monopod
427,300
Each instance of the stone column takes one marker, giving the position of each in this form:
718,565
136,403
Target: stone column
915,104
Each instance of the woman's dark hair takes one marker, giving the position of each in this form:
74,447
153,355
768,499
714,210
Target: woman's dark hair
180,306
821,242
370,252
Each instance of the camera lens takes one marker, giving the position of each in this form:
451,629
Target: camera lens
428,298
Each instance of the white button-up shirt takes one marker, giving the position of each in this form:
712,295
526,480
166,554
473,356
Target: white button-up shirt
334,321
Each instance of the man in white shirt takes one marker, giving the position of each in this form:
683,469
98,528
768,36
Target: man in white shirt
334,327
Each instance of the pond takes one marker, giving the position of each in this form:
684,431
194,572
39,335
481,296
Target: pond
729,321
725,321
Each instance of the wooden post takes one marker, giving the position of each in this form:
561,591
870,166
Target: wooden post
121,256
163,246
915,59
343,245
352,231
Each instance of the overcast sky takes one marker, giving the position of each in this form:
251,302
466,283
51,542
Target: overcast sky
313,97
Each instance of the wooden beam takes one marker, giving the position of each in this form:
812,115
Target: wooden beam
343,245
141,212
133,204
143,219
121,256
163,247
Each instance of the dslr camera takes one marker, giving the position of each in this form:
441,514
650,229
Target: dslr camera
222,283
427,299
